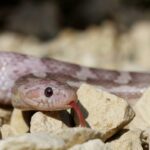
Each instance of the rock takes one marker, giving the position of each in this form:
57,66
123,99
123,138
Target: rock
146,139
20,121
130,140
36,141
5,114
48,121
76,47
129,55
61,139
77,135
139,36
19,124
141,108
90,145
104,112
8,131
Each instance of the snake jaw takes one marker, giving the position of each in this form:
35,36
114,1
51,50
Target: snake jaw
75,107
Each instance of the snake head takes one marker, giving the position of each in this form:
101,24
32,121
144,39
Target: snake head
31,93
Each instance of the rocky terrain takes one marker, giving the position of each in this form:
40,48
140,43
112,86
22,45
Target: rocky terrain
112,123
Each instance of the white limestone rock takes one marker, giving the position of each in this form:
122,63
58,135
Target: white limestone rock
19,121
36,141
19,124
142,110
146,139
95,144
48,121
61,139
77,135
7,131
103,111
130,140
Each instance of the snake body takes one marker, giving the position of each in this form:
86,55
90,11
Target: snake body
23,80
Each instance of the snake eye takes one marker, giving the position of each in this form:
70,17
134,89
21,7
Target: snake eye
48,92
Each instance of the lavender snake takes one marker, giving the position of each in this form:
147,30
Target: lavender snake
32,83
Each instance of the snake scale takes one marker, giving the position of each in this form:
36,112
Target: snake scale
46,84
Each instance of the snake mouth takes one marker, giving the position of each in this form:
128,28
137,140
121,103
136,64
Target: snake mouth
76,108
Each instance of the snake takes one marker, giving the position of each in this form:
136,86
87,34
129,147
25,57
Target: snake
46,84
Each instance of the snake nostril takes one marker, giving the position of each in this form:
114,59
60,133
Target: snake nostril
48,92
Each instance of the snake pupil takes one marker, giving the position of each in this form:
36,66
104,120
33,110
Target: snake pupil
48,92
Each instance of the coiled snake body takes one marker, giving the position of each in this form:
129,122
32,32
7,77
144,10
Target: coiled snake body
46,84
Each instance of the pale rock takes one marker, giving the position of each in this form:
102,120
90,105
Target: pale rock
13,42
7,131
142,111
49,121
146,139
5,114
133,48
103,111
130,140
19,121
34,141
76,47
77,135
61,139
139,36
18,125
95,144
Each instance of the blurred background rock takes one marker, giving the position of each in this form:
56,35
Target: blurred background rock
112,34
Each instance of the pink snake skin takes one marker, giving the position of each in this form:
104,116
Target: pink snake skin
24,79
